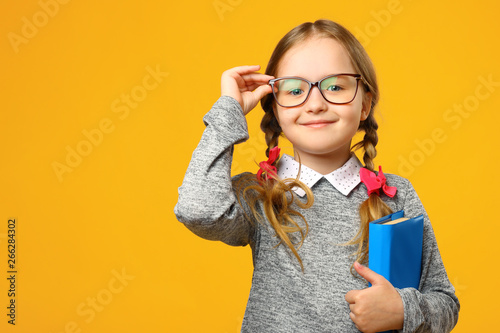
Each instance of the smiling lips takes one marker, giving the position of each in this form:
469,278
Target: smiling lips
318,123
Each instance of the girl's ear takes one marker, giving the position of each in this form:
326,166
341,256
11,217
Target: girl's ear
366,105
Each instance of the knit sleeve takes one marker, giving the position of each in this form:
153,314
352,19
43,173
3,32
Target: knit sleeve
434,307
207,204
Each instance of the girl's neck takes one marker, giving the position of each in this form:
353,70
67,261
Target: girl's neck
323,163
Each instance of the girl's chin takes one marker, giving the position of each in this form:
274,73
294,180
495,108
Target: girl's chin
324,151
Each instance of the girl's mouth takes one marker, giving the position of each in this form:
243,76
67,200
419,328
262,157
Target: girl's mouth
318,124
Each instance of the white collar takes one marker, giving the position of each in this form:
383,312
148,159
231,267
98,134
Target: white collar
344,179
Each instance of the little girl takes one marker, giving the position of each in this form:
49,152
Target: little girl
306,217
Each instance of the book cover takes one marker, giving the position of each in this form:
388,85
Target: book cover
395,249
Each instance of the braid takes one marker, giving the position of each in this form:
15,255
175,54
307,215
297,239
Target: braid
277,198
271,129
370,140
372,208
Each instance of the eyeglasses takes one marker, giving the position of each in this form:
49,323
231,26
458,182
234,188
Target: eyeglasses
294,91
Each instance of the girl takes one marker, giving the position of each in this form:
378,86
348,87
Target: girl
304,216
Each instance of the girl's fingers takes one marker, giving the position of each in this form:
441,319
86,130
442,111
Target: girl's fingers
250,99
248,73
262,91
246,85
250,82
257,77
245,69
253,86
250,79
243,80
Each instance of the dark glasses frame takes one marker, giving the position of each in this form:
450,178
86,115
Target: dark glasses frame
316,84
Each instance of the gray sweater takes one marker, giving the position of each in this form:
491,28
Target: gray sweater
282,297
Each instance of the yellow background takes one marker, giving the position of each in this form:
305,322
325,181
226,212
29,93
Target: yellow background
113,213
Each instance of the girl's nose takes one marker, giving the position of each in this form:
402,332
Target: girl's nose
316,102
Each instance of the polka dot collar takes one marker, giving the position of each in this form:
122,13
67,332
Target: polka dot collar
344,179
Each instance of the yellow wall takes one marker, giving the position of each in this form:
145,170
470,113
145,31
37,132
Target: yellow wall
94,146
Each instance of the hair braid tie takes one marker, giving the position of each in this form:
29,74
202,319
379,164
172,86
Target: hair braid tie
375,182
267,168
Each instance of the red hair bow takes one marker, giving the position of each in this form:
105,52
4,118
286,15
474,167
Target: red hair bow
374,183
266,166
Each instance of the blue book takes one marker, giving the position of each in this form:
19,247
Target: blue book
395,249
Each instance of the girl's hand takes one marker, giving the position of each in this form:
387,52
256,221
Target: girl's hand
377,308
245,85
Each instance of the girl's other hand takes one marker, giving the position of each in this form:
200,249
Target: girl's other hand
245,85
377,308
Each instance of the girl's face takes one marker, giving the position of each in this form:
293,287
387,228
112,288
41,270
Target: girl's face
318,128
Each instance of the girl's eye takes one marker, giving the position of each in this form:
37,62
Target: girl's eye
295,92
333,88
291,87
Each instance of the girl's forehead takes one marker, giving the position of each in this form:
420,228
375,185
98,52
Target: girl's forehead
315,58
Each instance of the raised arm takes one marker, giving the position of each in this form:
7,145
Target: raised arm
207,204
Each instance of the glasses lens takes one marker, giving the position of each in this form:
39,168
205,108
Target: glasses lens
339,89
291,92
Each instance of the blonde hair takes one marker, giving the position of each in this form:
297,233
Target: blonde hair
276,195
278,200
